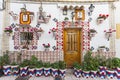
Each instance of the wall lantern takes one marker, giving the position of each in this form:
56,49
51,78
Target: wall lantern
65,10
2,5
91,8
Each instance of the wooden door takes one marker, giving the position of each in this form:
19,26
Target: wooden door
72,46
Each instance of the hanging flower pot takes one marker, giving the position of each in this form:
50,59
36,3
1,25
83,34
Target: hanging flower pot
92,33
46,47
31,72
108,33
8,30
24,71
39,72
15,70
54,32
7,70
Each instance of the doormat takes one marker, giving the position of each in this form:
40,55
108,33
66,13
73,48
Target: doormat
22,78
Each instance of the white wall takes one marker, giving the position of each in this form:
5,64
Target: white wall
117,21
1,24
98,40
57,13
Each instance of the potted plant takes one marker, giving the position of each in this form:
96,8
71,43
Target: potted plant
8,30
24,66
47,68
86,64
92,33
33,62
102,66
77,69
101,48
14,68
94,63
62,69
116,67
66,19
46,46
1,65
55,68
110,67
54,32
39,69
6,66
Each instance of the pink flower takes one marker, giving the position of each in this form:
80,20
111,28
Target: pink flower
104,30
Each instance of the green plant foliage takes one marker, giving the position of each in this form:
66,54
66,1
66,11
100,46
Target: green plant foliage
39,64
1,61
77,66
62,65
90,63
116,62
33,62
25,63
47,65
14,63
55,65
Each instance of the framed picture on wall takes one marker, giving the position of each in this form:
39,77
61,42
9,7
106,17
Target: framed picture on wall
79,14
25,18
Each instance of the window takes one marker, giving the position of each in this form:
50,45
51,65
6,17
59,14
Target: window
26,38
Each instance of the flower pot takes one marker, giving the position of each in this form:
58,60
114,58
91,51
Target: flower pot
77,73
117,73
7,70
24,71
54,72
31,72
62,73
39,72
86,74
102,73
54,34
110,74
15,70
93,74
46,49
47,71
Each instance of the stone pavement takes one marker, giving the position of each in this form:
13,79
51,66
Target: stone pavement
67,77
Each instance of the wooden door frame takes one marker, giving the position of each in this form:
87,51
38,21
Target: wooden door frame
81,39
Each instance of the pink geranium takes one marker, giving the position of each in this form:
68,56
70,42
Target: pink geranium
8,29
46,45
